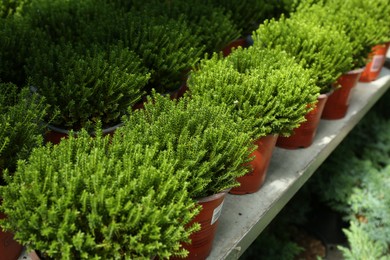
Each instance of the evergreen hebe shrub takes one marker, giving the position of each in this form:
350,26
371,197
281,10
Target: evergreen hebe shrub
264,89
70,20
166,46
82,199
21,128
325,51
246,15
87,85
356,18
204,139
211,24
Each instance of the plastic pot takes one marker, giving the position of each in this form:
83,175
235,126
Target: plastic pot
252,182
377,59
338,102
202,240
304,135
9,248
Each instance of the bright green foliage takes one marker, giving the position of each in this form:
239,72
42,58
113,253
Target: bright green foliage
86,199
87,85
204,139
11,7
20,124
362,246
264,89
323,50
362,21
70,20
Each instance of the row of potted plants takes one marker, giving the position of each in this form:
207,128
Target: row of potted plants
202,144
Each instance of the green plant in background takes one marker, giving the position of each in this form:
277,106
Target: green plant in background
21,128
325,51
11,7
248,14
87,85
361,246
264,88
83,199
166,46
204,139
355,17
211,24
15,39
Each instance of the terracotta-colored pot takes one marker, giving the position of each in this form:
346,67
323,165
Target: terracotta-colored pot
338,102
241,42
55,134
252,182
304,135
9,248
202,240
377,59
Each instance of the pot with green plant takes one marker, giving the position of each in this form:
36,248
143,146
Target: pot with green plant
206,141
260,87
86,85
377,56
88,197
362,33
20,131
323,50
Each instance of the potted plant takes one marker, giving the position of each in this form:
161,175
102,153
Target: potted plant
260,88
86,85
88,198
362,33
206,141
20,132
377,56
324,51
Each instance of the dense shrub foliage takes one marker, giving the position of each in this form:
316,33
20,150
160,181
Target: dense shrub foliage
259,88
88,199
325,51
204,139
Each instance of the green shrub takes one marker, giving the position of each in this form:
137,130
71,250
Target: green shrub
21,128
166,46
265,89
70,20
248,14
211,24
358,19
323,50
204,139
87,84
11,7
82,200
